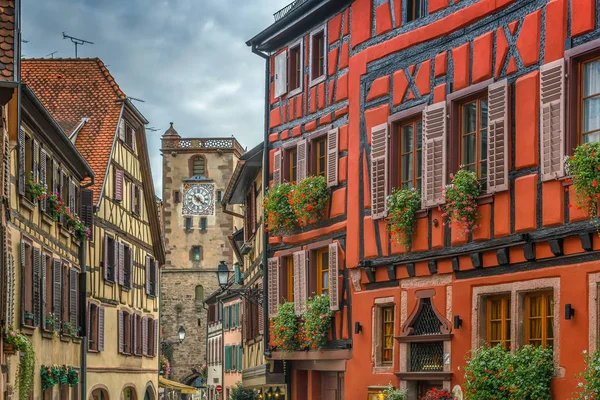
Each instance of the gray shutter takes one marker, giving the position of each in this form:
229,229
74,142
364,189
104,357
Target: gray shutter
23,288
37,300
72,196
552,119
57,272
118,184
379,170
100,328
120,331
277,168
148,266
273,300
105,261
144,336
86,209
21,166
261,313
34,167
43,162
122,135
155,342
43,304
155,286
332,157
132,198
302,163
121,263
54,175
281,74
498,137
434,154
300,286
73,297
334,301
133,139
61,174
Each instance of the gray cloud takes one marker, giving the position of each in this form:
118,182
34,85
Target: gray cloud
187,59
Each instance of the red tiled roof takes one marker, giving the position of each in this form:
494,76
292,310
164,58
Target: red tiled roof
7,39
76,88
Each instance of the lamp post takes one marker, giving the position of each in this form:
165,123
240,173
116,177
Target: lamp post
252,294
223,275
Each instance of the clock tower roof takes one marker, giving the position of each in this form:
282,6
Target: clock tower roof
171,131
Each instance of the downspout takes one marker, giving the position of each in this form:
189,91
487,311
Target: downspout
265,257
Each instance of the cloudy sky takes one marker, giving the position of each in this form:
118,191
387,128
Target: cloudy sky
187,59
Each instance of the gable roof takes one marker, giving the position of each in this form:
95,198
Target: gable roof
77,88
7,41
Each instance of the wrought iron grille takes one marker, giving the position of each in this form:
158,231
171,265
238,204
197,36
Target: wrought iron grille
427,357
427,323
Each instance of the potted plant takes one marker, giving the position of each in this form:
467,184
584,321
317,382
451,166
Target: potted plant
391,393
279,214
49,322
284,328
584,168
28,318
402,205
309,198
27,361
47,377
72,376
461,201
37,190
239,392
316,322
66,328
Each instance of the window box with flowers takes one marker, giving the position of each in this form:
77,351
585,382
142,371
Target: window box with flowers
285,335
402,206
309,199
461,201
280,217
38,190
584,170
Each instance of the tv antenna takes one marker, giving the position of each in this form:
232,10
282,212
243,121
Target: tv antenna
133,98
153,129
51,54
76,41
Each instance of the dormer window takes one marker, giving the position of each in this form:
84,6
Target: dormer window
127,134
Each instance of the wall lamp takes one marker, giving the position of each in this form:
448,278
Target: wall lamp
357,328
457,322
569,311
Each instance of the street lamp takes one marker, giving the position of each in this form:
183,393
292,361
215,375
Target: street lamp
181,334
223,275
252,294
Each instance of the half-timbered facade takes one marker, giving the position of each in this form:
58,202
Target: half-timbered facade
126,249
417,89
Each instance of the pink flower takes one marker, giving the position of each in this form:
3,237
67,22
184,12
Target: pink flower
13,334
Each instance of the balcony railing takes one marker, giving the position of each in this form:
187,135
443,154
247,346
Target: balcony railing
210,143
285,10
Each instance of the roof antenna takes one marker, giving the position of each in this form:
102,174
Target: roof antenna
51,54
153,129
76,41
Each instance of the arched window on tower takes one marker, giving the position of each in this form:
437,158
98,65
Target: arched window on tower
199,293
199,166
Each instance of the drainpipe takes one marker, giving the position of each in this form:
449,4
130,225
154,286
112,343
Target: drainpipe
83,319
265,271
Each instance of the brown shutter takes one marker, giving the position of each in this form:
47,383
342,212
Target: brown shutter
273,270
134,333
116,261
155,338
73,297
43,304
21,166
105,261
148,266
261,314
332,157
277,168
23,288
498,135
379,170
89,323
54,176
334,301
100,328
57,272
302,160
280,74
37,301
155,286
252,209
144,336
86,209
300,261
121,263
552,119
43,166
121,330
118,184
6,169
122,134
434,154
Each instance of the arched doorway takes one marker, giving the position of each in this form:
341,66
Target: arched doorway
129,393
99,394
149,394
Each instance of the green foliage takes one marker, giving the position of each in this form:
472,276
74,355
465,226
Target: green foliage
589,387
27,361
47,378
284,328
316,322
493,373
38,191
584,167
402,206
72,377
241,393
391,393
54,206
461,200
308,199
280,216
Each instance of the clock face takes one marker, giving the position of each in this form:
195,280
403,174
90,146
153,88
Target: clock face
199,199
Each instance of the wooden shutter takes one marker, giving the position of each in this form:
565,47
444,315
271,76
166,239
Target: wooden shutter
61,175
434,154
34,167
237,315
43,291
100,328
332,157
552,119
37,301
106,263
280,74
73,279
43,166
277,167
334,301
57,272
86,209
300,285
121,330
89,323
21,166
155,282
23,288
273,300
134,333
117,261
498,137
132,199
155,341
148,266
379,170
54,175
122,133
132,139
261,313
245,315
72,195
121,263
302,162
6,169
144,336
118,184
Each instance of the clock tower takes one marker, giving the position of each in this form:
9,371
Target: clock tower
196,173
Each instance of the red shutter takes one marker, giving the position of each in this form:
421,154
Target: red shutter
118,184
121,330
552,119
379,170
148,266
100,328
261,314
273,271
277,167
332,157
434,154
144,336
334,301
498,137
300,289
302,162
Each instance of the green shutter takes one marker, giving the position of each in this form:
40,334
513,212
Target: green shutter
240,357
230,315
237,314
227,358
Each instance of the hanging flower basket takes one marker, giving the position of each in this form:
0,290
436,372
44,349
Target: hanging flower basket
402,206
461,201
280,216
316,322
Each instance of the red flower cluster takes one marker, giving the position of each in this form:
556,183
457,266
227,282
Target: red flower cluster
437,394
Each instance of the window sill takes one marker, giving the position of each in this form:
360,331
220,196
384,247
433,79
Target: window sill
383,369
28,329
47,219
294,92
65,339
47,334
64,232
93,351
26,203
317,80
485,199
76,340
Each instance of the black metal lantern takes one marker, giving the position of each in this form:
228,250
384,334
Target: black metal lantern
223,275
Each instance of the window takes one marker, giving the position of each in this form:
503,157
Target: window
130,136
289,261
198,166
188,224
109,258
317,56
136,204
203,223
152,339
539,319
415,9
49,289
96,327
292,165
138,343
498,321
127,267
196,253
295,68
176,196
320,146
64,392
322,256
250,213
387,331
407,142
199,293
589,100
151,276
219,195
473,122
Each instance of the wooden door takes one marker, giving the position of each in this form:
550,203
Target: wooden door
332,384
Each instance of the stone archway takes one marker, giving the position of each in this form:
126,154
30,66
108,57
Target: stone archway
129,392
150,392
99,392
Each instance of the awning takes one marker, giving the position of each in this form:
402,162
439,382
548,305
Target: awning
168,384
